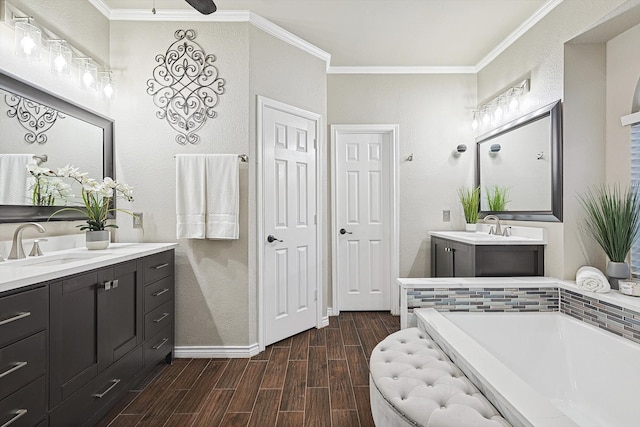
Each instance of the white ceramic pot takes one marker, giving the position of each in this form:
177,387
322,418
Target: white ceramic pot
471,227
98,239
617,271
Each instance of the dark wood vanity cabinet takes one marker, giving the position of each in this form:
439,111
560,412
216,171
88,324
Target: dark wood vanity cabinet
450,258
99,331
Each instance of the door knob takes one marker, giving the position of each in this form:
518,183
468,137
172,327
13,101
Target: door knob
343,231
271,239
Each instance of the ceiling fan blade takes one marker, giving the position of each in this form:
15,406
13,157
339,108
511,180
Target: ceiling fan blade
205,7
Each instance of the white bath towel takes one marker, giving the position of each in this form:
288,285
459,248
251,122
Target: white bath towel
15,179
207,196
592,279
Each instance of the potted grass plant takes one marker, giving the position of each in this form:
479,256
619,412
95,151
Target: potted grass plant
470,200
497,198
612,219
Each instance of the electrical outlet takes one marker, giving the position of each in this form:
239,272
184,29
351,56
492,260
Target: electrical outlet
137,219
446,215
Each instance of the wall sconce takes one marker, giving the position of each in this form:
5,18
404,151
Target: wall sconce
461,148
28,39
60,58
494,150
106,84
503,106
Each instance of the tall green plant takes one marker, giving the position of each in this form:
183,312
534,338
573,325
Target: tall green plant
497,198
470,200
612,219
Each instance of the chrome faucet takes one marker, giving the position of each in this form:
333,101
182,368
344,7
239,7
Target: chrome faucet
498,230
17,251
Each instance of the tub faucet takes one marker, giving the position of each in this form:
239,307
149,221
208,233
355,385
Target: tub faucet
17,251
498,229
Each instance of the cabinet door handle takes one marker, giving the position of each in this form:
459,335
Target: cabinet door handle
161,266
163,342
105,285
160,292
161,318
14,318
15,367
18,414
114,382
114,284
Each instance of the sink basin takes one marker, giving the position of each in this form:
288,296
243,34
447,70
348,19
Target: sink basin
51,260
479,236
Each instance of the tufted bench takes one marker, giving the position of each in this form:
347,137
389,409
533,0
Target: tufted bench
413,383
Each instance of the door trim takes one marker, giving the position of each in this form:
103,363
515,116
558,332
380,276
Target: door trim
262,103
392,210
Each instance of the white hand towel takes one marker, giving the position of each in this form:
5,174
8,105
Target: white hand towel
207,196
191,198
15,179
592,279
223,196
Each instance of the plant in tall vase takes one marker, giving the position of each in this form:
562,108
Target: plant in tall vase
612,219
96,197
497,198
470,200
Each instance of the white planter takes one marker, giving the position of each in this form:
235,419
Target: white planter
471,227
98,239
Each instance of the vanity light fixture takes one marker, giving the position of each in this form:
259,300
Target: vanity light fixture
88,74
494,150
503,106
106,84
28,39
60,58
461,148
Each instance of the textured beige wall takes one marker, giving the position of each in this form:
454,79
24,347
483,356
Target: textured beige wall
433,113
283,73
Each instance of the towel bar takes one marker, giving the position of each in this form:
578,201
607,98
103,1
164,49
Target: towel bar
243,158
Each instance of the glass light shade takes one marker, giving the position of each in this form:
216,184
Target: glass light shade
106,83
88,75
28,39
60,58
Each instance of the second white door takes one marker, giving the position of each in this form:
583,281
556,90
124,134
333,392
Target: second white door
364,218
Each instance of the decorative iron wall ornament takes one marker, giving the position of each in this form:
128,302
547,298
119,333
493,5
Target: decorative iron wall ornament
35,118
185,86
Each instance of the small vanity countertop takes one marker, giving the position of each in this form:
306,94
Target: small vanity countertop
15,274
519,236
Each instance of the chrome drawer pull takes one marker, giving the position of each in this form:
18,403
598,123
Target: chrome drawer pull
19,413
159,319
14,318
163,342
15,367
101,395
161,266
163,291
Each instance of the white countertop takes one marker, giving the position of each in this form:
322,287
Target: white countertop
15,274
481,238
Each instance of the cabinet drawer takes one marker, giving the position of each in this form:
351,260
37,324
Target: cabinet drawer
92,400
157,348
23,314
158,319
22,362
25,407
158,266
158,293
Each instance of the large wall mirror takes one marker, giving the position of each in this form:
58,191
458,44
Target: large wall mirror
522,161
42,129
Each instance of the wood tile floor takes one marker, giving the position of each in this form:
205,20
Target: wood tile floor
316,378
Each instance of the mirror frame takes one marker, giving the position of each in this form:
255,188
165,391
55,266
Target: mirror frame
554,111
25,213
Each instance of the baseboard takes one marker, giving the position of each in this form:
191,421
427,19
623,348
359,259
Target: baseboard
329,311
216,351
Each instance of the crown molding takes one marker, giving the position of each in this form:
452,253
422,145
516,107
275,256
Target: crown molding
537,16
401,70
102,7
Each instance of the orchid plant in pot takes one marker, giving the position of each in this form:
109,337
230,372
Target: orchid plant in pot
470,200
612,219
97,198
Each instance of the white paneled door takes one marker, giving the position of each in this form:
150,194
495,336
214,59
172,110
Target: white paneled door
364,216
289,215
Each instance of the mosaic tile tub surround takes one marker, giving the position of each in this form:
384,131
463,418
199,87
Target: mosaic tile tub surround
613,312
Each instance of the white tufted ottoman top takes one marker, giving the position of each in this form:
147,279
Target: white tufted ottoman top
415,377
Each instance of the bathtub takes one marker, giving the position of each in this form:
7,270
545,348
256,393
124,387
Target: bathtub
543,369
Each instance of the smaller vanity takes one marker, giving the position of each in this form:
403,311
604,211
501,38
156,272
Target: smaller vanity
479,254
79,328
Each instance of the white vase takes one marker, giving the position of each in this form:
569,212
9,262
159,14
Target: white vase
471,227
98,239
617,271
